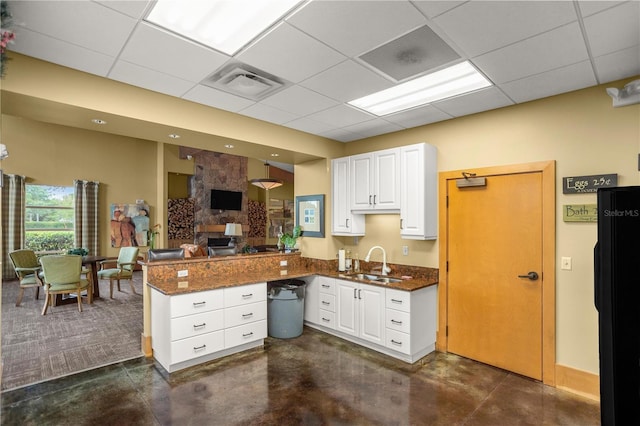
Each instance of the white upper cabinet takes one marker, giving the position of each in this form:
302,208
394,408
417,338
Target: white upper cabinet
419,187
375,181
343,222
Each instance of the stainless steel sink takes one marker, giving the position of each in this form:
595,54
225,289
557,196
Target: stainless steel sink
377,278
387,280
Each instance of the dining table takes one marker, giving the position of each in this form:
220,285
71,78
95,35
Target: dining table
93,263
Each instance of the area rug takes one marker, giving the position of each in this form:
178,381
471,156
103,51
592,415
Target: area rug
36,348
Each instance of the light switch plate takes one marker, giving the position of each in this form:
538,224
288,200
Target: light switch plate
183,273
565,263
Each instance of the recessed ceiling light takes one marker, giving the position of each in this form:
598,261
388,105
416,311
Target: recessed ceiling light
275,155
98,121
229,146
223,25
446,83
174,136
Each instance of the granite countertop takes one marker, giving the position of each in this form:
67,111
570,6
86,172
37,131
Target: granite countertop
232,279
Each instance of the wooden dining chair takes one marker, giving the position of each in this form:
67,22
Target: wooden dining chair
25,263
62,275
122,270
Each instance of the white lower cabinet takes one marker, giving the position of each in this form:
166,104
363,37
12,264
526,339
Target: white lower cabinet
360,310
398,323
189,329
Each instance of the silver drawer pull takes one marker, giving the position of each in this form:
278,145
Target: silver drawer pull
396,343
199,348
196,304
249,315
325,303
396,322
326,319
197,326
248,334
244,296
396,301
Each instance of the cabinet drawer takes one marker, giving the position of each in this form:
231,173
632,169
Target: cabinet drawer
241,295
193,325
399,300
327,285
195,303
244,314
246,333
328,302
327,319
398,320
398,341
197,346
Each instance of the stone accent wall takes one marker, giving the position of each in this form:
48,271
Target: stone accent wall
214,170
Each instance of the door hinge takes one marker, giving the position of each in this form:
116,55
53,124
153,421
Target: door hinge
447,266
446,331
447,201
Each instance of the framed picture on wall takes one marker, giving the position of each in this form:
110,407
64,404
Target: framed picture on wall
310,215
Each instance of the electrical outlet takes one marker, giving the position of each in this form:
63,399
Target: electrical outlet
565,263
405,250
183,273
283,263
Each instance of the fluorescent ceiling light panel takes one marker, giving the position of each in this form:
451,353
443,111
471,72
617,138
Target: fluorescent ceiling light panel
225,25
452,81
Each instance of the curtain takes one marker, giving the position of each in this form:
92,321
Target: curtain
13,207
87,215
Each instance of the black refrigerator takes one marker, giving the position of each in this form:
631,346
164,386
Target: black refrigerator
617,299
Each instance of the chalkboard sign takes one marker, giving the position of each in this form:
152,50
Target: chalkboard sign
582,184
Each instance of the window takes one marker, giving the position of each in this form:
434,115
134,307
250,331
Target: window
49,217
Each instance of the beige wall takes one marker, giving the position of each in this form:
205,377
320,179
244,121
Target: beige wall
56,155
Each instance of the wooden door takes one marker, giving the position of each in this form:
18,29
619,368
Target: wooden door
494,237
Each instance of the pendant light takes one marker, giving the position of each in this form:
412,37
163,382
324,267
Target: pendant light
266,182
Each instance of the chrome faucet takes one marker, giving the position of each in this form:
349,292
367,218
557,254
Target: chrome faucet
385,268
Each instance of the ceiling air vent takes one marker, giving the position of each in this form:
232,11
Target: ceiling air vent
243,81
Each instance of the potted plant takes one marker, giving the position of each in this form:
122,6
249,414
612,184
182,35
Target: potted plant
289,240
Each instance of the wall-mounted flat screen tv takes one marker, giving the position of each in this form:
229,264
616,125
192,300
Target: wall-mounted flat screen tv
226,200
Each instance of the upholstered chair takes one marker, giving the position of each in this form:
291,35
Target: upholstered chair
62,275
123,270
28,270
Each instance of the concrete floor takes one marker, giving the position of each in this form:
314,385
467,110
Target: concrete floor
315,379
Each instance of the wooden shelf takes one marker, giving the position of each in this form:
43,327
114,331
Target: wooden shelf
217,228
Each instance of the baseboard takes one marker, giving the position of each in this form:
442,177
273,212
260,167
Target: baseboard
578,381
145,343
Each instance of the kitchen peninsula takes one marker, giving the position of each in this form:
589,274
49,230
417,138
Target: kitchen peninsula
199,309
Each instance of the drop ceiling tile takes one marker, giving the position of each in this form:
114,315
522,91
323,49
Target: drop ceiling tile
268,113
478,101
554,49
589,7
417,117
154,48
618,65
309,126
479,26
614,29
290,54
216,98
354,27
377,126
148,79
346,81
341,116
82,23
341,135
561,80
135,9
60,52
300,101
432,8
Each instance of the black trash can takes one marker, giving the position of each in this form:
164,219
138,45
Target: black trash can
285,308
